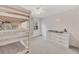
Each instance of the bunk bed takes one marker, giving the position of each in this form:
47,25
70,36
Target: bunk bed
14,39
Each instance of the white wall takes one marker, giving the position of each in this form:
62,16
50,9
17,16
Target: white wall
44,28
68,20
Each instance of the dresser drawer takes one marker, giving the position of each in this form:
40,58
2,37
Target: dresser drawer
61,39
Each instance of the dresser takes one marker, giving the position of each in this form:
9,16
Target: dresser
61,39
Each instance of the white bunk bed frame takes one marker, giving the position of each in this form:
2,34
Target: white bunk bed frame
20,15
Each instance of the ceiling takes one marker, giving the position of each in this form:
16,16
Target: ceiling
48,10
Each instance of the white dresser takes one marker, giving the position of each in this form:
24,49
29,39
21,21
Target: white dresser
59,38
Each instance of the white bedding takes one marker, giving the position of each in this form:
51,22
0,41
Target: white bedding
9,36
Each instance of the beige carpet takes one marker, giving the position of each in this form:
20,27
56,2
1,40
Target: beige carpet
41,46
37,46
12,48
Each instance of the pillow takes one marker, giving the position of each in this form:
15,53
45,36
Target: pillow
0,25
6,26
23,25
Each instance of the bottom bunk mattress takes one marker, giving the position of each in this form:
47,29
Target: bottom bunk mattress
9,36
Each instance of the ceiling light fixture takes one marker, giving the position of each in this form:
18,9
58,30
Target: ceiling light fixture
39,10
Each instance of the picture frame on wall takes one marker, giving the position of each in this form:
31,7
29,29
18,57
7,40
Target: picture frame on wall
35,25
